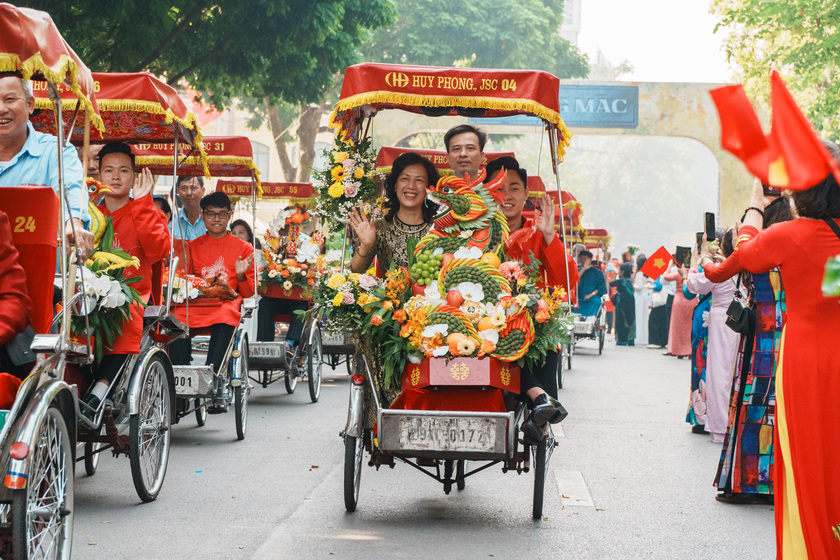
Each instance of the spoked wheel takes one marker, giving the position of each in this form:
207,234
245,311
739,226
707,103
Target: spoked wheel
314,357
291,379
540,468
200,413
42,513
560,372
460,471
240,393
91,457
149,432
354,448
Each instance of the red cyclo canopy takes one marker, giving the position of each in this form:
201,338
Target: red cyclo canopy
136,107
31,44
596,237
269,190
227,156
387,155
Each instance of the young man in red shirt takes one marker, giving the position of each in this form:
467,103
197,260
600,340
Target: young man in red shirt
539,238
217,254
140,230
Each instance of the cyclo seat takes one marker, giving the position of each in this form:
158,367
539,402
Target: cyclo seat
33,215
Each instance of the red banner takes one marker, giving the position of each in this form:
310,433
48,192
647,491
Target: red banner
464,372
387,155
136,107
33,214
227,156
269,190
31,44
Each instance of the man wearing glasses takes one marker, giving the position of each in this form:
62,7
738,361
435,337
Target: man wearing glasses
226,263
190,191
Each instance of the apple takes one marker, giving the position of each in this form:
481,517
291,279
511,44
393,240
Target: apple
454,298
447,258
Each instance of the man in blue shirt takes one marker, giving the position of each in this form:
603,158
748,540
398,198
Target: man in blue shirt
29,158
190,191
591,287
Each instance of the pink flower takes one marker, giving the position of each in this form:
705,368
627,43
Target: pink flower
352,189
367,281
348,163
510,269
348,298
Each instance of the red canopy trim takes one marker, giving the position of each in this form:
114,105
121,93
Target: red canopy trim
136,107
227,156
597,237
572,208
387,155
31,44
296,192
465,91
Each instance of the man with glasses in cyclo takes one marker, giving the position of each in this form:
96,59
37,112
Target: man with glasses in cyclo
226,263
140,229
28,159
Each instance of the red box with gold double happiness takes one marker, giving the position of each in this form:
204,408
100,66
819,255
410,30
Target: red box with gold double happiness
463,372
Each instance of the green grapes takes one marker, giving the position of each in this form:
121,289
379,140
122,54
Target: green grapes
426,268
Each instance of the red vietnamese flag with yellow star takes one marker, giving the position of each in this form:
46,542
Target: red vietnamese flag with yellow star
657,263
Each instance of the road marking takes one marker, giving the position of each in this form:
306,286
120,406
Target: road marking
573,491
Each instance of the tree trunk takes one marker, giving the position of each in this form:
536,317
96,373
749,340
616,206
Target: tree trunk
308,122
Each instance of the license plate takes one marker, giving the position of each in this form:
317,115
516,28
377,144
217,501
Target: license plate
268,350
186,382
447,434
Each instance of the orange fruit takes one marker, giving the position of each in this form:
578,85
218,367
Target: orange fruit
486,323
492,259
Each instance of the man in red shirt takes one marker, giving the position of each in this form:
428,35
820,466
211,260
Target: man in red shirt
221,255
538,238
140,230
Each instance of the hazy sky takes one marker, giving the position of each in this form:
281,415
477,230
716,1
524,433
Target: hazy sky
665,40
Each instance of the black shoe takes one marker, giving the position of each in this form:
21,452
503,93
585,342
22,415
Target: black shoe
531,433
91,404
548,409
698,429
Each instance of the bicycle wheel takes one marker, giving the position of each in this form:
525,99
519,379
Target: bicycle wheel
240,394
353,450
200,413
149,432
91,457
42,513
314,357
540,468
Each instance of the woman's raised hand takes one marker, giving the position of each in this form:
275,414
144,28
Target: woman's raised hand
364,228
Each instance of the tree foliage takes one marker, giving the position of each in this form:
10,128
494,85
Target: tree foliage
480,34
800,39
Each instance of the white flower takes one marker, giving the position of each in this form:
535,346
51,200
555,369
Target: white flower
414,359
193,293
471,291
433,293
468,253
440,351
438,251
287,285
112,298
490,334
333,255
272,273
308,251
431,330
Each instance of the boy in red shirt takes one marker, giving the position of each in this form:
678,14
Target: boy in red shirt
217,253
140,230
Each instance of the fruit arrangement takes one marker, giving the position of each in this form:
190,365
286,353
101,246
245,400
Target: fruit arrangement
426,268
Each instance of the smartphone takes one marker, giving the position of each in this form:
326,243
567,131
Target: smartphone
709,221
683,256
699,237
771,191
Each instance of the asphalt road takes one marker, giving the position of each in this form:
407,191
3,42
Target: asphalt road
628,480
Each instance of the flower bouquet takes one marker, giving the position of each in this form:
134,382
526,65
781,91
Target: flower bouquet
346,300
350,180
292,260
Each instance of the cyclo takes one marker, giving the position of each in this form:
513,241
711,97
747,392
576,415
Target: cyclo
198,388
595,326
38,436
450,410
137,108
273,360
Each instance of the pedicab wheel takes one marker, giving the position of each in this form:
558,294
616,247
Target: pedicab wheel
42,513
560,372
353,450
314,357
460,471
240,395
149,432
200,413
540,467
291,381
349,363
91,457
601,341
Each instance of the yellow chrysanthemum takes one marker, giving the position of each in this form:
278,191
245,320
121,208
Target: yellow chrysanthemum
340,156
336,190
359,173
338,299
336,280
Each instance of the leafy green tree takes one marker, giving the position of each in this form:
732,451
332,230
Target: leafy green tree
480,34
281,52
800,39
